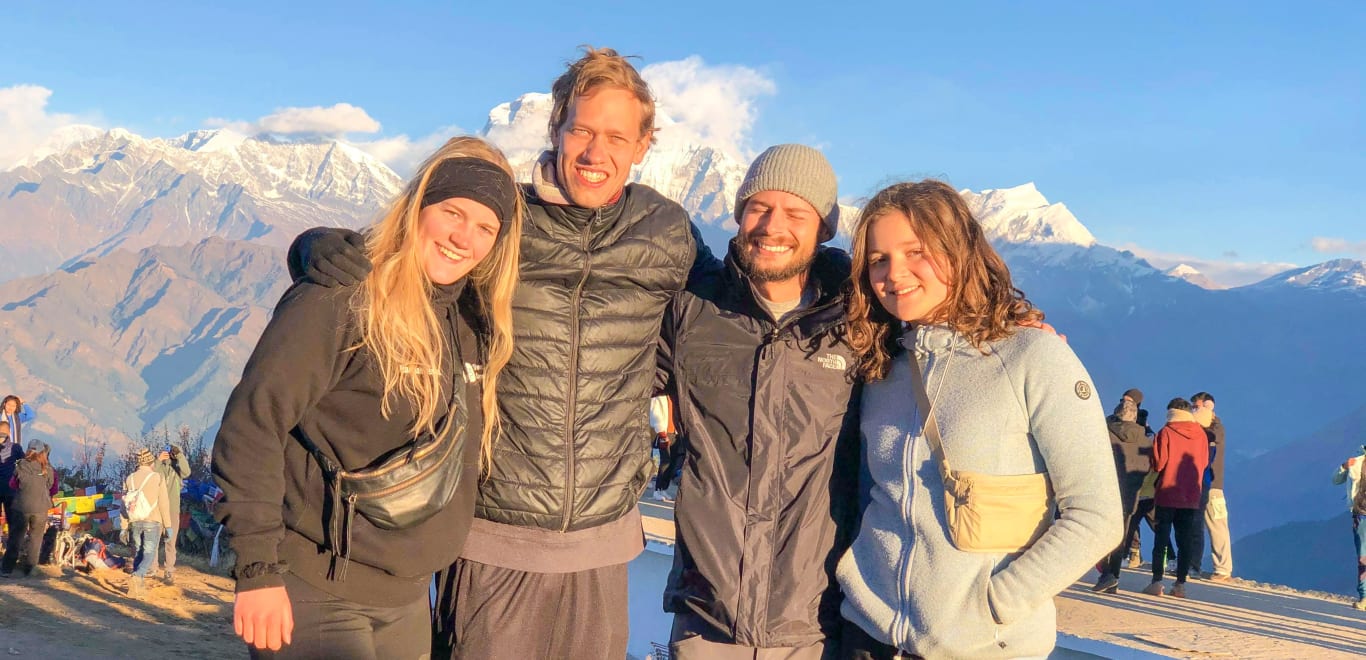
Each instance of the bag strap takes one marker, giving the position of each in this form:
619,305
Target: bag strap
144,482
931,424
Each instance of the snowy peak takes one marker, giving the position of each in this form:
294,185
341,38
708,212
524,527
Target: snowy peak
1192,275
1022,215
60,140
215,141
1182,271
265,168
1336,275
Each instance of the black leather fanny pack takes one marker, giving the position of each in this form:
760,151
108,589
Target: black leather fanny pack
401,489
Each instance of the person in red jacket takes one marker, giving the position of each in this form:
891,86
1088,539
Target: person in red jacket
1180,456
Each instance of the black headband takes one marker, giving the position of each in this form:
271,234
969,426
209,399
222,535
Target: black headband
476,179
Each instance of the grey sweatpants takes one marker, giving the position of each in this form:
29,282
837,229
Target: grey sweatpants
485,612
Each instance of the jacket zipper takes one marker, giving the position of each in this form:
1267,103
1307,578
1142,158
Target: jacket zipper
902,632
571,394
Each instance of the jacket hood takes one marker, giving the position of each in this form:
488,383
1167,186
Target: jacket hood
1183,423
1129,432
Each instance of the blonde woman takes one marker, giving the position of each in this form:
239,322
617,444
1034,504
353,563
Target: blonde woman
393,379
1006,400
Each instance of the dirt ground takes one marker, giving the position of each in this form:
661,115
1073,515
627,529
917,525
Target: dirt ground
75,615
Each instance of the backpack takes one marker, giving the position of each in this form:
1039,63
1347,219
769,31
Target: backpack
136,502
1359,497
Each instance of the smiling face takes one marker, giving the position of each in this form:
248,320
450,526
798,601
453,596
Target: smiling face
909,282
597,144
778,236
455,234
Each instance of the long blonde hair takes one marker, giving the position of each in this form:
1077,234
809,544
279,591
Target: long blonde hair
393,306
983,304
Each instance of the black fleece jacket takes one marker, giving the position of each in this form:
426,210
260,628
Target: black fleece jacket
303,380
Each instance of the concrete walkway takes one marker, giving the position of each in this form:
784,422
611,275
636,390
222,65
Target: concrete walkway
1230,620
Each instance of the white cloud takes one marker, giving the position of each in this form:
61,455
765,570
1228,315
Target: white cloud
337,120
25,124
403,154
1224,272
400,152
1327,245
334,121
709,105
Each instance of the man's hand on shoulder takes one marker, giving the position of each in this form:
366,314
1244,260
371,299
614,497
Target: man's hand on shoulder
330,257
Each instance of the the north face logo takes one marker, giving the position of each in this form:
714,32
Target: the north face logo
832,361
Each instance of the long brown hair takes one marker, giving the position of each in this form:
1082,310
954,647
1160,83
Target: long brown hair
39,457
982,305
399,326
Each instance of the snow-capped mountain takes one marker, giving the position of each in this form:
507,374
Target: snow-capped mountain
1341,275
1193,275
60,140
1022,215
118,190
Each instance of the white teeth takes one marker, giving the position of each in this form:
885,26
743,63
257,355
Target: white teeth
448,254
902,292
593,177
775,248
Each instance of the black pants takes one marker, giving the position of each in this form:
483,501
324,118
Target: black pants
1187,537
1198,557
327,627
668,462
35,526
489,613
858,645
1128,501
1144,510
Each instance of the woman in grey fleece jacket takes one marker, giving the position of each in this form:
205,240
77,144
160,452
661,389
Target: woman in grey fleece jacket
1009,400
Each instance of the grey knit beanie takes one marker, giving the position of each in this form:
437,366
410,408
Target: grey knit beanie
799,170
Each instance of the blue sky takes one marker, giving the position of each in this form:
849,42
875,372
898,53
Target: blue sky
1230,134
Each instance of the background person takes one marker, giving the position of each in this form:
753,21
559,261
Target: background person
32,486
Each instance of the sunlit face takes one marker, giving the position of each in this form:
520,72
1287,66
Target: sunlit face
778,236
910,283
456,234
598,143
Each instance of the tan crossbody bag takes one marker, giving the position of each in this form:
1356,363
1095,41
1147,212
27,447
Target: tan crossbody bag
986,512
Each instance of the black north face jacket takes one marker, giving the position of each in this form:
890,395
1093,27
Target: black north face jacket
766,500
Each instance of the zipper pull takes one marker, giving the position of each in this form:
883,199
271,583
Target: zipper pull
769,338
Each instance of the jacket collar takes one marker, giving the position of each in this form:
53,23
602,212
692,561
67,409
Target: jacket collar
927,339
829,273
1175,415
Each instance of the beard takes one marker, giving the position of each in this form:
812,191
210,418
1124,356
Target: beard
799,263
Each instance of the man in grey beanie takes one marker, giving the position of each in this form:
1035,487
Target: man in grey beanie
752,350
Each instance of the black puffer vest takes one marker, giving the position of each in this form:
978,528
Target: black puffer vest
574,451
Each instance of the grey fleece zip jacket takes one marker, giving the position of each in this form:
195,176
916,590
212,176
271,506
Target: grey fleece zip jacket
1027,406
